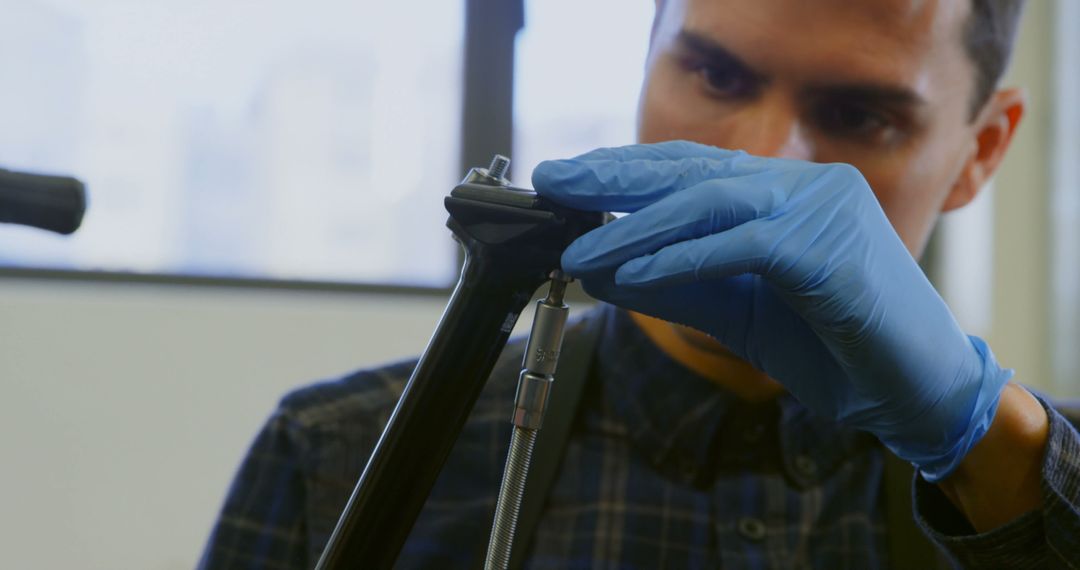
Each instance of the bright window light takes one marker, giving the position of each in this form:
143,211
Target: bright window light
239,138
578,72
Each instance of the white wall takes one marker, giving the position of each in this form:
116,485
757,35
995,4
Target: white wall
125,408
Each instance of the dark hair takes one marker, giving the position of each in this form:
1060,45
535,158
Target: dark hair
988,39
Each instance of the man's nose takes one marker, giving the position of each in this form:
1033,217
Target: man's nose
769,127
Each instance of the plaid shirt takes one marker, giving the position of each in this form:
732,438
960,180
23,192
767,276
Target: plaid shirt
663,470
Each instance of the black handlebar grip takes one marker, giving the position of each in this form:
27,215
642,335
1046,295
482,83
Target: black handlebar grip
54,203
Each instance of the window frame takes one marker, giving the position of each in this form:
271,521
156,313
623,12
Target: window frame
491,27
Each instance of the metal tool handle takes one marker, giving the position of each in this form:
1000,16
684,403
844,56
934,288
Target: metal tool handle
54,203
530,405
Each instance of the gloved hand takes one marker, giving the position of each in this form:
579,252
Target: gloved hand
793,267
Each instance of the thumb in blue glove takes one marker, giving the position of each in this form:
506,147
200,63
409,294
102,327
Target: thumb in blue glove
793,267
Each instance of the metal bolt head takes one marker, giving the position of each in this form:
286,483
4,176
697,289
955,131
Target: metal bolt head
499,165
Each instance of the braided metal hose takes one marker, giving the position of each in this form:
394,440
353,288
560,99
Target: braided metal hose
510,494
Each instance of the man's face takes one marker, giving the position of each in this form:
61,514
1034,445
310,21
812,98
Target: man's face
884,85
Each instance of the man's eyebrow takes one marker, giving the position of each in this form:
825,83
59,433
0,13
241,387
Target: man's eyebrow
715,53
869,93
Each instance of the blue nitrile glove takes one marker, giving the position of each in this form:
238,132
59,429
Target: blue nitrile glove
793,267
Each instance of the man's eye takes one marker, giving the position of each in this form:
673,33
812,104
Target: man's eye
847,119
724,82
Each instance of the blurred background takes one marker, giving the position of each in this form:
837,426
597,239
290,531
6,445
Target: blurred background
266,182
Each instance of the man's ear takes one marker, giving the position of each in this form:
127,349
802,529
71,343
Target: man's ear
994,129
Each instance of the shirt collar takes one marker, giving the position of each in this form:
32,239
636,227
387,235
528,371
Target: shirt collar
689,427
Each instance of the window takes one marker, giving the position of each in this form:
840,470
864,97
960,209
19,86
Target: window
239,138
575,88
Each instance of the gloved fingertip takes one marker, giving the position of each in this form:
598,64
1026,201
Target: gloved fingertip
550,173
573,261
586,256
633,273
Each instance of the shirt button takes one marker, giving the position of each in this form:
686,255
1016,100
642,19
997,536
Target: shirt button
805,466
751,528
687,466
753,434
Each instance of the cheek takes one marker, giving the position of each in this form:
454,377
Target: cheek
911,192
924,179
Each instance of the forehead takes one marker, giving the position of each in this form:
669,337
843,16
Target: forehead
889,41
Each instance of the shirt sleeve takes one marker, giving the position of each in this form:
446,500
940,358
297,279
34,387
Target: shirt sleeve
1045,538
262,523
